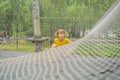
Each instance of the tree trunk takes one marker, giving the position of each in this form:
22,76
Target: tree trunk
9,28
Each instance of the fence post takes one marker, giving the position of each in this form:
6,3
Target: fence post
36,25
37,39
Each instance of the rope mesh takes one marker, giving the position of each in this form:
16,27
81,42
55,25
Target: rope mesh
94,57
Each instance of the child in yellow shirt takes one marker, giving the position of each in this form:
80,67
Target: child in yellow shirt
60,40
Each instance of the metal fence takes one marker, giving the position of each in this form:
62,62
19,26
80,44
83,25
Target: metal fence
16,39
16,26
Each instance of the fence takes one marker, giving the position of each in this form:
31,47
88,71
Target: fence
16,20
16,38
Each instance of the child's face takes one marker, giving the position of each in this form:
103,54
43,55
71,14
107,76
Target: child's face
61,35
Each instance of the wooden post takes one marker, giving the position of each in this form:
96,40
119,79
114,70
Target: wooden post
36,24
36,19
37,38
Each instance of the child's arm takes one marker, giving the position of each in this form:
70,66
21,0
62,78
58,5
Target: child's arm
54,46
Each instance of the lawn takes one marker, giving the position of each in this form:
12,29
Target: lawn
20,45
98,49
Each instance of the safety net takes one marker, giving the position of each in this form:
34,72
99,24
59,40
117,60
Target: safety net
93,57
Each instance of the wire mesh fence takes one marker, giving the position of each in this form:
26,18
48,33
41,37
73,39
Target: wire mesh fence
76,18
75,28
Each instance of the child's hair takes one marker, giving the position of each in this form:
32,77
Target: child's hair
60,31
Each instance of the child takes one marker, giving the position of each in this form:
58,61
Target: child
60,40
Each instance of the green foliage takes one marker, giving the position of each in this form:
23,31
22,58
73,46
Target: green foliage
19,12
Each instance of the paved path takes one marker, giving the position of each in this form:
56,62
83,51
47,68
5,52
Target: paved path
9,54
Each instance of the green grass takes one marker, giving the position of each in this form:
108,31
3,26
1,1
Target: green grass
22,45
98,49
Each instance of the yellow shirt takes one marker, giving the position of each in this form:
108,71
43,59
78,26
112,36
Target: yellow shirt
61,43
